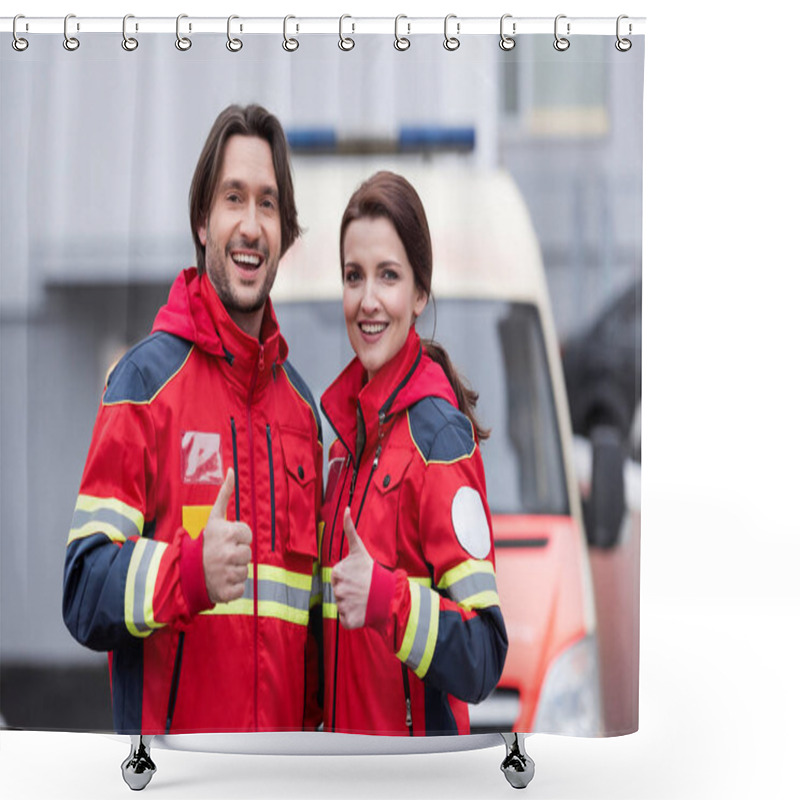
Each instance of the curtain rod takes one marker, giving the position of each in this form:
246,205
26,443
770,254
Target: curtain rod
346,25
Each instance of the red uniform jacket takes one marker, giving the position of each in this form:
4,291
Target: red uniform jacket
196,397
407,464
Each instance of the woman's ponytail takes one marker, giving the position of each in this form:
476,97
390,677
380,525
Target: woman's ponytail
467,397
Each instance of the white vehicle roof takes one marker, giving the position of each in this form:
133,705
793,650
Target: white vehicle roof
480,227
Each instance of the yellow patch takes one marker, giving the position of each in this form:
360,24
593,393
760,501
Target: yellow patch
195,518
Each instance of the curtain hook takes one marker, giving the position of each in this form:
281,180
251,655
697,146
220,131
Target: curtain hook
182,42
346,43
234,45
623,45
451,42
128,42
70,42
400,42
507,42
289,45
561,43
18,43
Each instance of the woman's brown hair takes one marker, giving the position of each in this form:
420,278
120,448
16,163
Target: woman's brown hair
387,194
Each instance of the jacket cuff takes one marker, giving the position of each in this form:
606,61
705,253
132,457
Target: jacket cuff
381,591
193,576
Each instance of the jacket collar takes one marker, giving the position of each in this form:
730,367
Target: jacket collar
408,377
195,312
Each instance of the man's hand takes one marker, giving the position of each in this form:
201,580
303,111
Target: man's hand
351,578
226,549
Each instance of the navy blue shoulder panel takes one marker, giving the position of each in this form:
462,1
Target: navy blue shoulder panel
146,368
440,431
302,389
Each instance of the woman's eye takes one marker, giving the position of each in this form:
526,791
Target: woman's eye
390,275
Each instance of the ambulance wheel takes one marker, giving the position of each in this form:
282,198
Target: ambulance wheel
517,766
138,768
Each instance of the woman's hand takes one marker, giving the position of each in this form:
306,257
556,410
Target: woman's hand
351,578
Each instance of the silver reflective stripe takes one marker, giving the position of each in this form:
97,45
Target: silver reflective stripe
124,525
423,628
327,593
472,585
275,592
140,586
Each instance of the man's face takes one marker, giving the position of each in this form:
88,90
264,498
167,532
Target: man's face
242,233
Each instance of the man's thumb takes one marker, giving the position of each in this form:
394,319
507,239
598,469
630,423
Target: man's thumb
220,506
353,539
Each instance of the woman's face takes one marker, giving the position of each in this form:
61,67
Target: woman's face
381,300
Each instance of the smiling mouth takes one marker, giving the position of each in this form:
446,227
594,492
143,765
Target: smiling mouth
373,328
247,260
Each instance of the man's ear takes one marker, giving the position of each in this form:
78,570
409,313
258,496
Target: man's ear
201,234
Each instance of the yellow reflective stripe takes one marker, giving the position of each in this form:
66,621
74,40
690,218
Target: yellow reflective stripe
140,586
243,607
422,629
293,590
426,581
472,584
464,569
329,608
269,608
107,515
296,580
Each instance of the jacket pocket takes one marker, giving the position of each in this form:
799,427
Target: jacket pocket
381,518
298,460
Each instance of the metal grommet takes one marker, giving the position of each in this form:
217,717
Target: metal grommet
345,42
182,42
70,42
18,43
623,45
400,42
289,45
451,42
507,42
234,45
128,42
561,43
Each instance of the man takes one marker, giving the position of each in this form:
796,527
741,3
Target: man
194,540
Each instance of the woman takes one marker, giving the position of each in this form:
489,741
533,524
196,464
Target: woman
412,622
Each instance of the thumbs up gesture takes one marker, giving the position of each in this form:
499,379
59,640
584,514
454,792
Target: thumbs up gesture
351,578
226,549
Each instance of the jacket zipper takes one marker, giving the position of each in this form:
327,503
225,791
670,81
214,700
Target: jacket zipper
235,469
407,690
173,689
341,550
254,526
271,485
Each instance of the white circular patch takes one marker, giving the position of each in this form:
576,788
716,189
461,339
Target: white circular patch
470,523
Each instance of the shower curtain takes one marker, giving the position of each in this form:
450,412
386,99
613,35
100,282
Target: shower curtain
526,150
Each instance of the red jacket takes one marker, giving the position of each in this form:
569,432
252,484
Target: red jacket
194,398
407,463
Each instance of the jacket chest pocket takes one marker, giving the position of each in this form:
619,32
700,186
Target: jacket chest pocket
383,507
298,452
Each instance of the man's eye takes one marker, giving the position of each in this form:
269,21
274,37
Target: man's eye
268,203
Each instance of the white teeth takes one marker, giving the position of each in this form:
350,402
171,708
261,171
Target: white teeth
247,260
375,327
